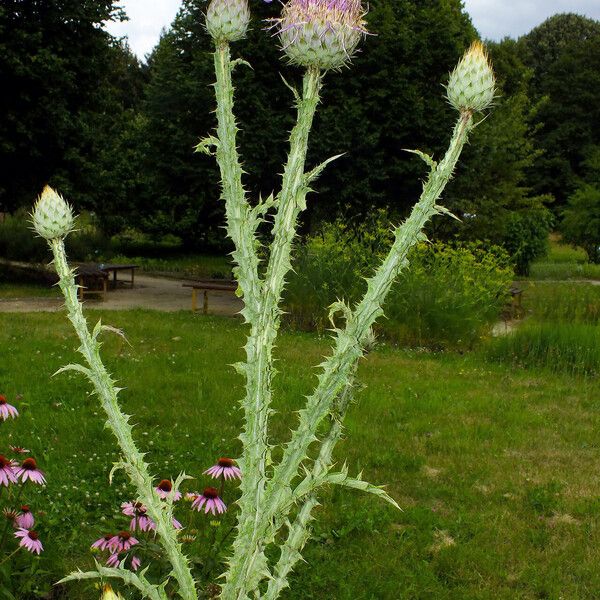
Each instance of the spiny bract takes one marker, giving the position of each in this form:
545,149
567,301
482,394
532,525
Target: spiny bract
321,33
52,217
227,20
472,84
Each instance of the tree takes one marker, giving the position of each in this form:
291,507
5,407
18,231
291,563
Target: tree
65,81
564,53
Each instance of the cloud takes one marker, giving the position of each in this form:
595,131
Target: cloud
495,19
146,21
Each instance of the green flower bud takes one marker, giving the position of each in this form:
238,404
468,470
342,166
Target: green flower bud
321,33
472,84
108,594
52,217
227,20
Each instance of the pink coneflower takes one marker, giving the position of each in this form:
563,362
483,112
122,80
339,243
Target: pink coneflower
113,560
6,409
10,514
104,542
191,496
225,468
164,488
135,563
7,471
29,540
139,519
19,450
25,519
177,524
210,500
29,470
122,542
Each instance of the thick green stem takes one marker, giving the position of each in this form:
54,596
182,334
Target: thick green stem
248,564
133,459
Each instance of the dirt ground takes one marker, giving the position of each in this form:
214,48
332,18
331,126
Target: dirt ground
155,293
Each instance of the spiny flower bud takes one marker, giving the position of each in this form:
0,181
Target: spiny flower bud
227,20
472,84
321,33
52,217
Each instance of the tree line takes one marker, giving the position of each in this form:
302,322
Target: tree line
82,113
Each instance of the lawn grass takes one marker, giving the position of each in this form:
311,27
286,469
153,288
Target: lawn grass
10,291
495,467
198,266
564,262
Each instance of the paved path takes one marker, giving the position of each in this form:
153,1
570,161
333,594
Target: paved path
155,293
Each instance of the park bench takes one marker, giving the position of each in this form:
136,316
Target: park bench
114,269
206,285
91,280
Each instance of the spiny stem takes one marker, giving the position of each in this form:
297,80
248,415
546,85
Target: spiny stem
133,459
249,544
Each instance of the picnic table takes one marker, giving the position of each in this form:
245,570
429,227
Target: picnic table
89,278
228,285
114,269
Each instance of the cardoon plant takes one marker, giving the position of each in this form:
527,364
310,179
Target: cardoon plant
277,498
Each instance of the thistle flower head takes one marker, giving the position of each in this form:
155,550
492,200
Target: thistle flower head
52,217
227,20
321,33
472,84
108,594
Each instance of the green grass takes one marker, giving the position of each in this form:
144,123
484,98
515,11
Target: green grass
564,262
195,266
9,291
495,468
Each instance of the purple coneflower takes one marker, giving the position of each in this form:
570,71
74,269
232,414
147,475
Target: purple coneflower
210,500
139,519
104,542
25,519
113,560
7,471
225,468
164,488
10,514
29,470
122,542
135,563
29,540
19,450
191,496
6,409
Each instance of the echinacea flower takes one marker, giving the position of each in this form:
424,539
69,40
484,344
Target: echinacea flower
25,519
7,471
164,488
29,470
210,500
321,33
7,410
225,468
139,519
191,496
114,560
135,563
19,450
121,542
104,542
10,514
29,540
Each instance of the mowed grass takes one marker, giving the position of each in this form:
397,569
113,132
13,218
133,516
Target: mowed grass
495,467
12,291
564,262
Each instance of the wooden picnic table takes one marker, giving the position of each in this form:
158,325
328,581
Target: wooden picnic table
228,285
88,278
114,269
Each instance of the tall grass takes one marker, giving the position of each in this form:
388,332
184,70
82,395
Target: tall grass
568,347
565,302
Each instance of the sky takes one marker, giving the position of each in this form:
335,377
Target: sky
494,19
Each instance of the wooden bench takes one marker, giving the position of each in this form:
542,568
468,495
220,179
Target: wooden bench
227,285
88,278
114,269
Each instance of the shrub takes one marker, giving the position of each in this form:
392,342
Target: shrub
581,222
18,243
448,297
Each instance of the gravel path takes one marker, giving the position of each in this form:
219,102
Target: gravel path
155,293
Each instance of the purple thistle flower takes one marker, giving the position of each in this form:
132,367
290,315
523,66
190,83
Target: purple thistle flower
29,470
29,540
25,519
225,468
7,471
7,410
210,500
